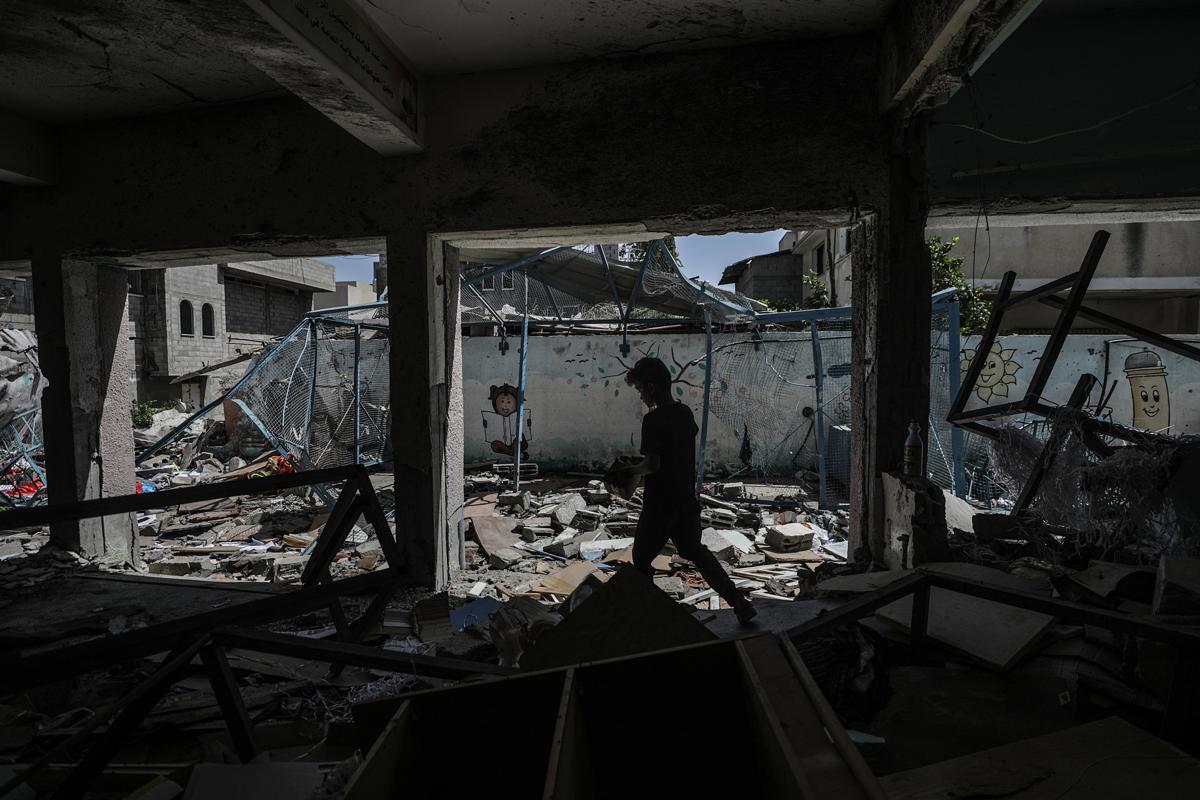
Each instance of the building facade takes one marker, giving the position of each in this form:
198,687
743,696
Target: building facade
186,319
1148,275
777,278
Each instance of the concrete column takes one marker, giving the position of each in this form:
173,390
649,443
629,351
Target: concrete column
420,389
891,284
82,322
455,444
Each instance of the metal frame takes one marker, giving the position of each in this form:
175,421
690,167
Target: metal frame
209,634
1069,308
520,432
818,386
21,453
921,580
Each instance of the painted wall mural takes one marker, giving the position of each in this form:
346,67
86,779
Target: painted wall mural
999,372
606,372
1148,390
1146,402
503,417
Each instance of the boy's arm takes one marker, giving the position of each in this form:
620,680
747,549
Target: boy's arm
649,463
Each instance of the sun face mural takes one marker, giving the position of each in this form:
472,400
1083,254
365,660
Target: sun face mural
998,373
1148,387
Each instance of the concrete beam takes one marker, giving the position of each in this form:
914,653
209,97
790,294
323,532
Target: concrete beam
930,45
82,321
341,65
693,155
891,285
26,152
420,381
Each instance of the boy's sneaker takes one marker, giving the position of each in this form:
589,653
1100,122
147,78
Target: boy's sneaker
745,612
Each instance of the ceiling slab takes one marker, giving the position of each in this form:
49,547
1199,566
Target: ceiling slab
63,61
458,36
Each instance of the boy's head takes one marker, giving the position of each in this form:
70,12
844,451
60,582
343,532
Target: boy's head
652,379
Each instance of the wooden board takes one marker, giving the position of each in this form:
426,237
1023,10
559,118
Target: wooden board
996,577
495,535
862,582
993,634
800,555
566,580
1105,760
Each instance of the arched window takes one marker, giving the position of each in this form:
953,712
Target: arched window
187,326
208,325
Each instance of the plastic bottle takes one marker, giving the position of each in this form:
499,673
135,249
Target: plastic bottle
914,452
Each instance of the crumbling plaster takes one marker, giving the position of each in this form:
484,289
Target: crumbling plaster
672,141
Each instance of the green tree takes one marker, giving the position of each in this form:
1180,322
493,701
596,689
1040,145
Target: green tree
816,294
973,310
783,304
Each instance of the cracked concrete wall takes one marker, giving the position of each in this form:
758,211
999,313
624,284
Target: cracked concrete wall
95,312
676,142
1064,118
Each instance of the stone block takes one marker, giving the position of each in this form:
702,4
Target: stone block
564,513
180,566
789,537
720,546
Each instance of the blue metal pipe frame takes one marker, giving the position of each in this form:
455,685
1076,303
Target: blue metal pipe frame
819,419
958,454
357,396
183,426
632,301
520,404
707,395
520,262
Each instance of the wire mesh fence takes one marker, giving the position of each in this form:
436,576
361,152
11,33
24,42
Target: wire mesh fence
321,396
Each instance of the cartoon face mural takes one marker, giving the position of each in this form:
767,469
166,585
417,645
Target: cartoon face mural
504,408
504,399
1148,388
998,373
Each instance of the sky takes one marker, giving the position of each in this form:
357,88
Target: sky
705,256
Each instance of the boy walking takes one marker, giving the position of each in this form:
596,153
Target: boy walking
670,509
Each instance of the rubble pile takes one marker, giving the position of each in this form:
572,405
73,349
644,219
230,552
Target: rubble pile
542,545
253,538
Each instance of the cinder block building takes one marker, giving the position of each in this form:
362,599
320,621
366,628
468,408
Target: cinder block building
185,320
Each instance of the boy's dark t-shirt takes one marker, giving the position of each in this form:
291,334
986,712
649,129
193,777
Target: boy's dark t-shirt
669,431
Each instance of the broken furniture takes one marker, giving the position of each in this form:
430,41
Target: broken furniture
1180,712
759,701
210,634
1109,759
1091,427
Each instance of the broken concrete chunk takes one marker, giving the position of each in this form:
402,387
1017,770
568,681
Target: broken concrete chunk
720,516
565,511
674,587
522,499
182,566
598,547
287,569
720,546
532,534
751,559
1178,587
597,496
586,520
790,537
733,489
